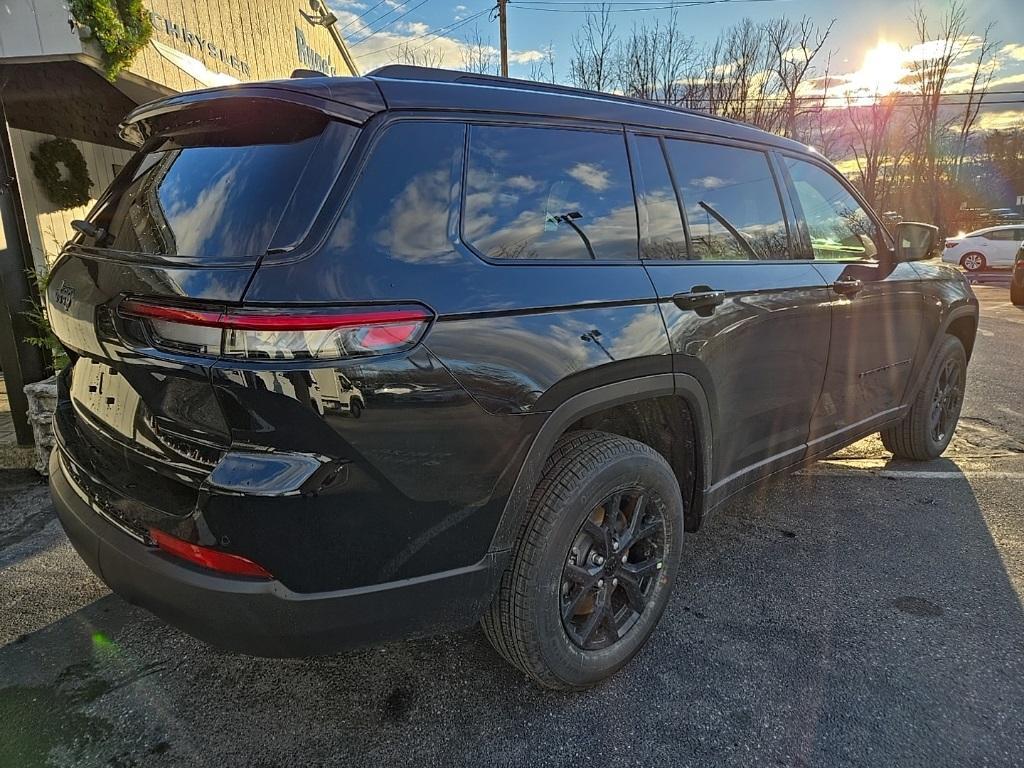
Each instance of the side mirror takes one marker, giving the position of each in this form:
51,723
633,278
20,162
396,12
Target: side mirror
915,241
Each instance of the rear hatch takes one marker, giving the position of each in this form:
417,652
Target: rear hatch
214,188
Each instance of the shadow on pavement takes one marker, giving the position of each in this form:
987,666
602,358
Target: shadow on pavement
823,621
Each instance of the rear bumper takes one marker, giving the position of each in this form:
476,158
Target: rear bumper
265,618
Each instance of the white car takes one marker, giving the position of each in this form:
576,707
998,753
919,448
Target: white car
984,248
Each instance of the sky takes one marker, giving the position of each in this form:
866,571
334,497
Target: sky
872,41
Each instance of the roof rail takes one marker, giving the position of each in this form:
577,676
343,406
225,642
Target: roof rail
432,74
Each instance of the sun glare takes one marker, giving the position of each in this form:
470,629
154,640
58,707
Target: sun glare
883,68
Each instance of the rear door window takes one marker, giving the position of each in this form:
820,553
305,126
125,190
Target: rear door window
663,236
549,193
217,194
731,201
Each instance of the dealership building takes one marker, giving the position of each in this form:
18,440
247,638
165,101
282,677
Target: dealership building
54,85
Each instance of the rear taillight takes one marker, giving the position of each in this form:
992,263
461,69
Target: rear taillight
205,557
950,243
278,334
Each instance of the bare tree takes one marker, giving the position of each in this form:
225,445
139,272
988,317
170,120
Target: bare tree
592,65
824,124
984,69
543,71
928,74
794,47
879,148
420,56
652,60
479,56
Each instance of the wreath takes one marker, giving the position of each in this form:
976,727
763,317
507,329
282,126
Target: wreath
68,191
121,27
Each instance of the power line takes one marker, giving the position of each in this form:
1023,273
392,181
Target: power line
388,24
433,33
680,3
991,97
365,13
640,5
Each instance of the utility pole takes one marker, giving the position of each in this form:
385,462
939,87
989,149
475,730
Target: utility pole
503,25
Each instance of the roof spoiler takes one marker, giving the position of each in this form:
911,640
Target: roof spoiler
351,99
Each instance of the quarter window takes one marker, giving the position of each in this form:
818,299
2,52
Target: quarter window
546,193
400,205
840,229
731,201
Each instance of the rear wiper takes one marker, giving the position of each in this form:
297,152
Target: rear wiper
732,230
88,229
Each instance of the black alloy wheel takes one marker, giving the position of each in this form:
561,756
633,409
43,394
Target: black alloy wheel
594,562
946,401
611,569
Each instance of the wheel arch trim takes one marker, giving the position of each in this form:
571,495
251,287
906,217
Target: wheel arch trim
592,401
957,313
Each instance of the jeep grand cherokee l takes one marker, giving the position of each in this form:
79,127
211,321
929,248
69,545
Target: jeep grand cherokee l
575,324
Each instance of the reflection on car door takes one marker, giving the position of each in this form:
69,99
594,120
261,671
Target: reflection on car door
750,325
876,307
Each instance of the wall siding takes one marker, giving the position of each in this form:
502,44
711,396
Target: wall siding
260,33
49,228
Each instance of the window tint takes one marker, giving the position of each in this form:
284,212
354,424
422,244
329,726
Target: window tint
401,203
658,207
839,227
544,193
732,204
210,194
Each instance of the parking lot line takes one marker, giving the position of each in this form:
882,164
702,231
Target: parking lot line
910,474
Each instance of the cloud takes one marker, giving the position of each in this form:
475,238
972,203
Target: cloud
416,28
525,57
710,182
1013,51
1001,121
591,176
1000,82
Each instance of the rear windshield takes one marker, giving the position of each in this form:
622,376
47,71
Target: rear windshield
212,194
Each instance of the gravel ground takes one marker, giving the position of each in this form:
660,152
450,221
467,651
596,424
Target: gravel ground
857,613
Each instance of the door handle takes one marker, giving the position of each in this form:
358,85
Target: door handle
700,298
848,286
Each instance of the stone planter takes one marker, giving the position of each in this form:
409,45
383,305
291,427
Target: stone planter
42,400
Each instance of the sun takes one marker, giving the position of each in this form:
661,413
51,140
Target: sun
884,67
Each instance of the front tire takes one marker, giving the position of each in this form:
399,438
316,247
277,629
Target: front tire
973,262
1017,294
926,430
594,562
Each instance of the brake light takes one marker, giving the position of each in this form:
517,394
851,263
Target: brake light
205,557
279,334
950,243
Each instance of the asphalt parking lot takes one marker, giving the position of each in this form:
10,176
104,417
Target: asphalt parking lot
862,612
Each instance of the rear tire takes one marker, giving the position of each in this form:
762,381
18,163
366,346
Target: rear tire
583,527
926,430
1017,294
973,262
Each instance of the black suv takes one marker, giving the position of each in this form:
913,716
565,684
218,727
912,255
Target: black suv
359,359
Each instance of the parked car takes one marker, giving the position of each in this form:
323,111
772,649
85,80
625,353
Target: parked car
577,323
992,247
1017,281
